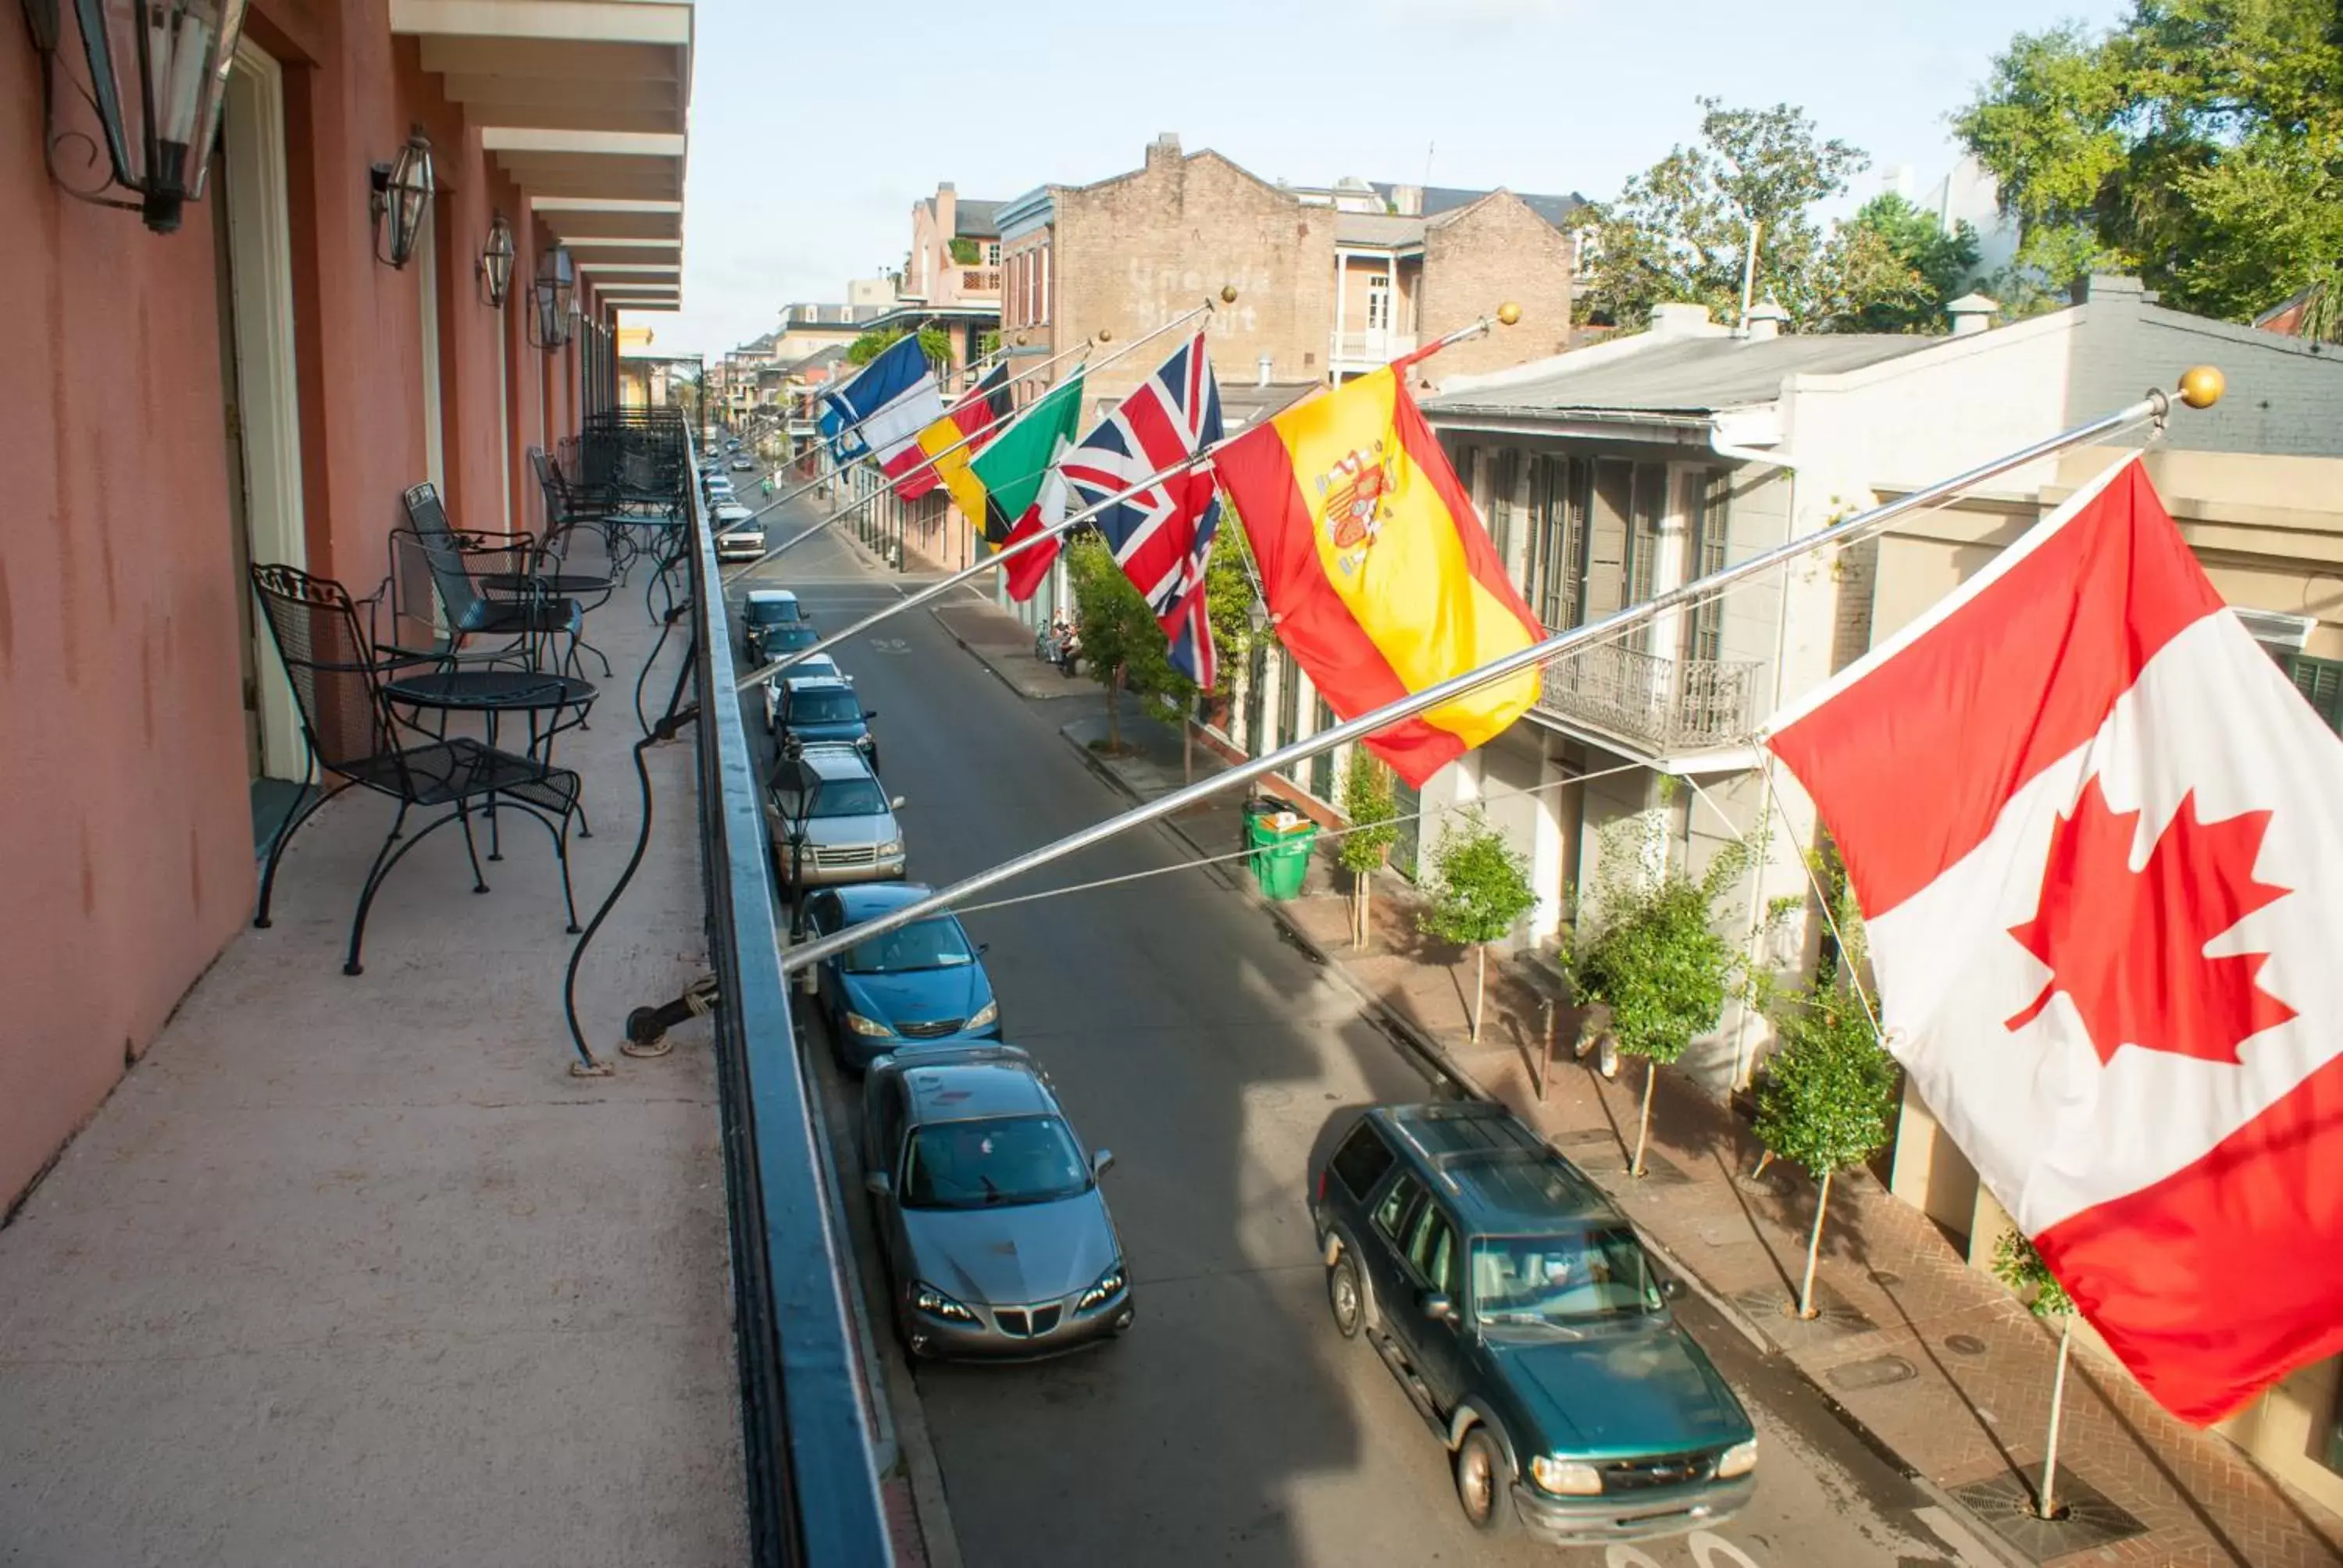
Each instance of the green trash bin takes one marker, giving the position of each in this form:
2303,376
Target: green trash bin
1281,856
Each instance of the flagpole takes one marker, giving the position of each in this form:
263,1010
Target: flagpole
1505,315
2199,388
1227,296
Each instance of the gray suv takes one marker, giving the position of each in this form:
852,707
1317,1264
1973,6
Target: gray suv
829,819
1518,1310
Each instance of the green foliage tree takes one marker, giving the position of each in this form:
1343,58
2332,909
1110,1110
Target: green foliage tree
1122,644
963,251
2200,144
1679,231
1648,949
1369,802
1479,888
935,343
988,343
1828,1099
1891,268
2021,1268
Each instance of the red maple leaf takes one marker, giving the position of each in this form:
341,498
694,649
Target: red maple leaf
2129,947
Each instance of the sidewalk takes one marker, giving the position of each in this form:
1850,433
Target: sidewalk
1005,645
1932,1358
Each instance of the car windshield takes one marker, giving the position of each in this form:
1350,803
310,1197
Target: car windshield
937,944
850,797
791,636
1561,1282
772,611
1004,1159
824,707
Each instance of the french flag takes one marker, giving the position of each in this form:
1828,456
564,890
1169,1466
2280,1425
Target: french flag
2098,839
888,405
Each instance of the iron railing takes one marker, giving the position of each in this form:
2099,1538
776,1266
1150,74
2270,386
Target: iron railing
1654,702
807,1424
1374,347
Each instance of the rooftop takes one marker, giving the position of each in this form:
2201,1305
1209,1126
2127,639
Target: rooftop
977,220
1686,376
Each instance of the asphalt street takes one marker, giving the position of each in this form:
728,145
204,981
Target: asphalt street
1231,1424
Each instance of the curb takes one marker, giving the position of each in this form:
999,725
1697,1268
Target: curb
1437,1063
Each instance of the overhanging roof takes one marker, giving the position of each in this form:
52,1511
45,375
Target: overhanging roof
583,103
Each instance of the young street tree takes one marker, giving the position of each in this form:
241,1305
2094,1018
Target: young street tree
1828,1099
2194,144
2021,1268
1680,230
1366,844
1479,886
1122,646
1649,950
1892,268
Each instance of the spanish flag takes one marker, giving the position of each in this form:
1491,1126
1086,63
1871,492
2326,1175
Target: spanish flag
1379,579
979,415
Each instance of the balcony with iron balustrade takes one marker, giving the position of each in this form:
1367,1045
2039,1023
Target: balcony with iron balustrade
1655,705
1367,349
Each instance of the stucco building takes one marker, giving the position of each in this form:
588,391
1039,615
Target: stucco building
260,386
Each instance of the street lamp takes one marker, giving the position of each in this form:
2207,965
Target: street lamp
497,261
401,197
168,59
554,295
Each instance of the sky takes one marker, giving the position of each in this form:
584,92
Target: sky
812,136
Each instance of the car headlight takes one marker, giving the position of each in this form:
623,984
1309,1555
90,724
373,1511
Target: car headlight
935,1304
1565,1477
865,740
984,1015
1738,1460
1110,1285
861,1025
892,847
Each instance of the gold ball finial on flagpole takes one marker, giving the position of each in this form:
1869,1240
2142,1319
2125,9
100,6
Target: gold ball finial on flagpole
1105,334
1508,313
2201,386
1228,294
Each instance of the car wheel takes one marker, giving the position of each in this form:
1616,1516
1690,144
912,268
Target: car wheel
1483,1489
1347,1296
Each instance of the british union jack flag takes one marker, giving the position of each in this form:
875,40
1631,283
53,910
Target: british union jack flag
1161,535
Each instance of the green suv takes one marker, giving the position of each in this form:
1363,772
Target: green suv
1517,1309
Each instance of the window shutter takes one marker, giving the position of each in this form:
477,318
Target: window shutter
2320,681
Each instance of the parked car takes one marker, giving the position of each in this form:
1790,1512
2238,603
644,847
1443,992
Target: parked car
901,991
829,821
814,710
1520,1313
743,465
997,1239
760,611
738,538
820,664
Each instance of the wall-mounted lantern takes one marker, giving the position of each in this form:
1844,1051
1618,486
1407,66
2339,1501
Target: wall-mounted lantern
402,195
496,262
157,77
554,296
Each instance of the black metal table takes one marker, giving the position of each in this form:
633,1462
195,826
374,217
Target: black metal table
493,693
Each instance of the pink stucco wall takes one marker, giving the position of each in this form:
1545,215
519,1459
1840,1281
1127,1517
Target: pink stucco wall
125,840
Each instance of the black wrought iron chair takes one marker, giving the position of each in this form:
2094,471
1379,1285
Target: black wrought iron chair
458,566
337,674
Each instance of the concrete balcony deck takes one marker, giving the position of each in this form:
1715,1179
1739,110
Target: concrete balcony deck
350,1270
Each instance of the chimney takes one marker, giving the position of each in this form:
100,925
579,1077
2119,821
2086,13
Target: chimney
1766,321
1971,313
1678,320
1408,200
1164,151
1266,362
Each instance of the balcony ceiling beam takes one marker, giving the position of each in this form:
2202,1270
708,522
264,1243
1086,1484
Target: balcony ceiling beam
665,22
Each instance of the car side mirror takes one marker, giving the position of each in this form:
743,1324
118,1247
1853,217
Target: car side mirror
878,1183
1670,1288
982,949
896,804
1437,1307
868,715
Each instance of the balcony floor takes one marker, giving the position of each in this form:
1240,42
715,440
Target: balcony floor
349,1270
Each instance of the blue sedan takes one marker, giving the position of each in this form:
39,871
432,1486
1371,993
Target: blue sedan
917,985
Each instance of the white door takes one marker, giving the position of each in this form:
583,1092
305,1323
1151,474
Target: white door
426,263
1378,314
267,435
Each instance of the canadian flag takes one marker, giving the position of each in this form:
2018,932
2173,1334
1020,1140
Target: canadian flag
2097,837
